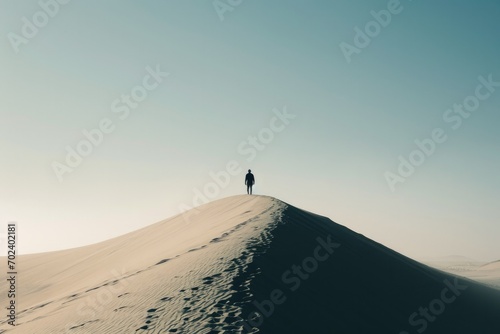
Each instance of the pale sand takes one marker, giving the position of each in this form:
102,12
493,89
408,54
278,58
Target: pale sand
206,271
486,273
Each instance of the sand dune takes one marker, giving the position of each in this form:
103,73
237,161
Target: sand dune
486,273
245,264
495,265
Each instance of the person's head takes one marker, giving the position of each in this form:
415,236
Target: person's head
249,170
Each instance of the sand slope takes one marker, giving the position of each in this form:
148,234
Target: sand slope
245,264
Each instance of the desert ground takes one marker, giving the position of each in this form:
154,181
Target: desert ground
248,264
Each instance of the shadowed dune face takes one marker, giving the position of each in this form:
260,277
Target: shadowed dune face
245,264
362,287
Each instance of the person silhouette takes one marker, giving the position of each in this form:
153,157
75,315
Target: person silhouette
249,181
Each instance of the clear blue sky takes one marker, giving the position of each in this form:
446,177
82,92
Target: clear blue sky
353,119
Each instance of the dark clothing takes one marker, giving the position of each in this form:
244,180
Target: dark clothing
249,181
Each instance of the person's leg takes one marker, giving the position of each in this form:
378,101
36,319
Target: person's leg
251,189
248,189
